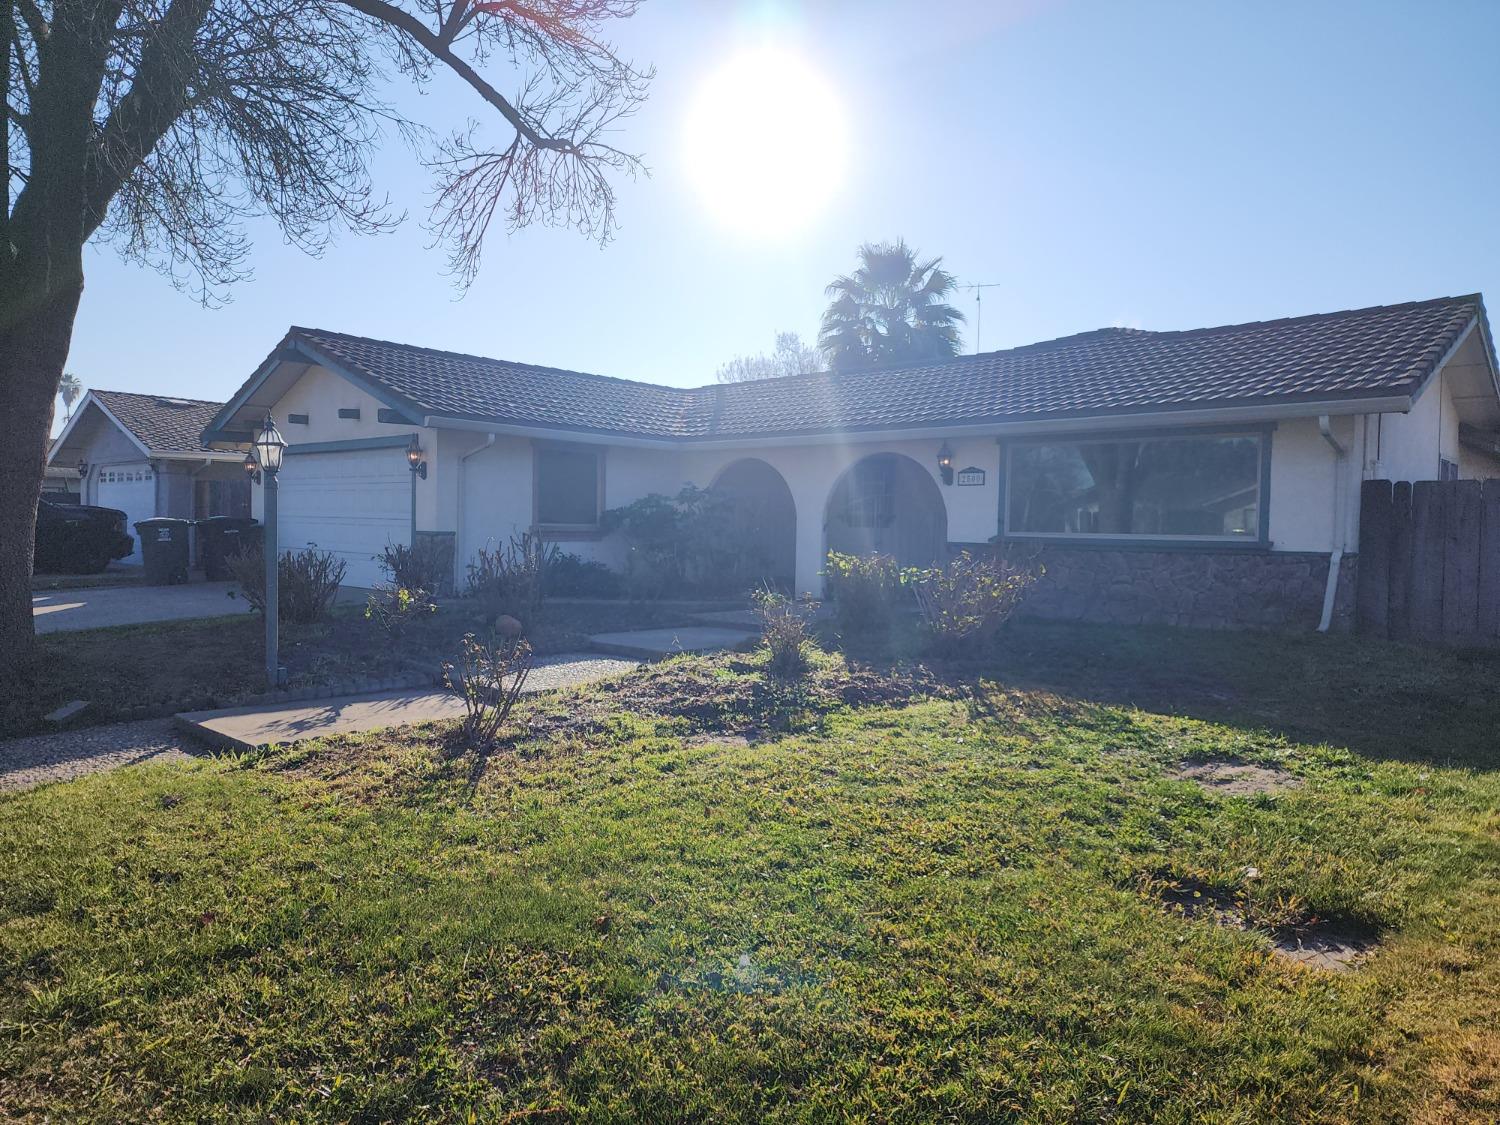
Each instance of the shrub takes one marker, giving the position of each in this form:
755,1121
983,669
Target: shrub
488,677
568,576
784,630
864,590
965,603
426,565
306,582
393,608
694,542
508,580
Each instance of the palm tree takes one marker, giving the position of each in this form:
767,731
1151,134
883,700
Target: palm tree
893,309
70,387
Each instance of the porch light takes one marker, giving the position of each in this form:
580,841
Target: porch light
83,467
252,470
268,448
415,458
945,463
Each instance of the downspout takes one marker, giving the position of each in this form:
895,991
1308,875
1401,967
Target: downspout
458,531
1335,556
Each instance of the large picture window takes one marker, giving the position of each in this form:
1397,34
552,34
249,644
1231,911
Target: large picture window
568,487
1206,487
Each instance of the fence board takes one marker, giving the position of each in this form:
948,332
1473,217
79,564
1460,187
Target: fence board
1399,625
1372,589
1487,604
1427,540
1461,506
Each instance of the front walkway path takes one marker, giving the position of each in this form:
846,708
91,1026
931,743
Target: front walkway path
25,762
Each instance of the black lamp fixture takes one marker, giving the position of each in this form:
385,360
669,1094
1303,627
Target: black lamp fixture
268,448
252,470
945,463
415,458
83,468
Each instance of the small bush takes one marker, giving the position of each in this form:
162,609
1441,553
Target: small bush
568,576
394,608
965,603
864,590
509,580
426,565
784,630
488,677
307,582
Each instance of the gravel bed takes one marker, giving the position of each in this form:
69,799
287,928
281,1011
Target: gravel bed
25,762
570,669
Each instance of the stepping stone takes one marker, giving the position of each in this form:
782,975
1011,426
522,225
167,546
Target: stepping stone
66,711
657,644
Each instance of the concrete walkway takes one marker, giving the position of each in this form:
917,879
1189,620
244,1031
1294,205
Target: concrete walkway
56,611
245,728
658,644
35,760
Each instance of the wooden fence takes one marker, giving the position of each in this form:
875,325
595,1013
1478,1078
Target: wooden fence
1429,561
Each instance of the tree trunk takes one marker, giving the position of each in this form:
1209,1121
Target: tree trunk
33,351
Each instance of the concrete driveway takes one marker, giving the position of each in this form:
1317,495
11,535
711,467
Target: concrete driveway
57,611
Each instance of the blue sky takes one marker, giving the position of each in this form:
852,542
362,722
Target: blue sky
1160,165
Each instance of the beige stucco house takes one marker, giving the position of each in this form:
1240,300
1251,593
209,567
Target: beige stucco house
1206,476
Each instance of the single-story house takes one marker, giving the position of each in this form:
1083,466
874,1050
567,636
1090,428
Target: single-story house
145,455
1208,476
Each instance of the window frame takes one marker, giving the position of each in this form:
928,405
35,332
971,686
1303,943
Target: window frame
1261,541
567,530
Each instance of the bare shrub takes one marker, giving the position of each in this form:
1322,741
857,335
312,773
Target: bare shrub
784,629
510,579
426,565
394,608
964,603
488,677
307,582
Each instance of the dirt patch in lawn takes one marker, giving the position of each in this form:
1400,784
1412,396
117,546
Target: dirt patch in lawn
1317,943
1237,779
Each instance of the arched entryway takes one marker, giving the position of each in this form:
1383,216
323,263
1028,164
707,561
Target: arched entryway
764,519
888,504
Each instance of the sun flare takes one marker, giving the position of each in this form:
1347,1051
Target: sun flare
766,142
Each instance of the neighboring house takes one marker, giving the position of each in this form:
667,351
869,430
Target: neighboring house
145,455
1205,476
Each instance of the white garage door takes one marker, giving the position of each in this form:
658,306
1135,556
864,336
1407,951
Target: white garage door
352,503
131,489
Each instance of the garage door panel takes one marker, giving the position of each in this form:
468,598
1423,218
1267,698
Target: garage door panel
132,490
352,504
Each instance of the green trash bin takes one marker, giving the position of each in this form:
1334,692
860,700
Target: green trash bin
164,548
222,538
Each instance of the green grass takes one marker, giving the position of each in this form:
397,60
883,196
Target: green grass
941,911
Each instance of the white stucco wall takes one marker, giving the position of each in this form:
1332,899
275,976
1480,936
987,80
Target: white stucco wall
320,394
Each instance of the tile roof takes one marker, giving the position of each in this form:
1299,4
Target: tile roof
162,423
1387,350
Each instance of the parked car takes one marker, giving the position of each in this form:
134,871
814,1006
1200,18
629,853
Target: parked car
78,538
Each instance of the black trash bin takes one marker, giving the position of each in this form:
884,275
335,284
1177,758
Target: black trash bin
164,547
223,537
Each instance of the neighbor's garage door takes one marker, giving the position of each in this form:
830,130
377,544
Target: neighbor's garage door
131,489
351,503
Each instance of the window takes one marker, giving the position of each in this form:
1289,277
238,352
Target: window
568,487
1198,487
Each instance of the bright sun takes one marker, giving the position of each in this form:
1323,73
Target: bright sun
766,142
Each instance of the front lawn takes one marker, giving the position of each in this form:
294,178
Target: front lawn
723,901
157,669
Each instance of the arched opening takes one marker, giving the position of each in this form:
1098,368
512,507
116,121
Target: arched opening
764,519
888,504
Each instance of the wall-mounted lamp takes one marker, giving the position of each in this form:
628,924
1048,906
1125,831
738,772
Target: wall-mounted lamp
414,458
252,470
945,463
83,468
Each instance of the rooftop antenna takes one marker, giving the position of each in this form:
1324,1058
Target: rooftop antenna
979,309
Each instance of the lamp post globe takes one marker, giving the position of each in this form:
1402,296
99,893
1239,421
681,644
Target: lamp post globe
269,447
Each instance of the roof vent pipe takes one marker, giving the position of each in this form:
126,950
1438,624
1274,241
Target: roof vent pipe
1335,556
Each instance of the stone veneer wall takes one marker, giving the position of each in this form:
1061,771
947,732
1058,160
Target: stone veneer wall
1206,589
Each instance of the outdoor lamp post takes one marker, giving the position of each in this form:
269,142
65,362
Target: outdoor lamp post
267,450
